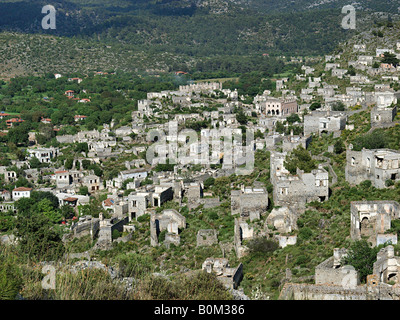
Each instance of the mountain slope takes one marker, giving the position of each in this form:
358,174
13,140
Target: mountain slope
162,32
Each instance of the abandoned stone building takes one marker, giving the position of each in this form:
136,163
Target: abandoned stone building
333,272
7,206
116,206
170,221
384,99
324,122
292,142
249,202
207,237
230,277
44,155
92,182
297,190
86,225
152,196
277,106
371,220
387,266
283,220
200,87
106,228
376,165
335,281
242,231
381,116
195,196
9,175
138,203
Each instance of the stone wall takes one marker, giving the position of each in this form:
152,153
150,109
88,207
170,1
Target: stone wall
292,291
326,274
207,237
88,227
381,116
370,218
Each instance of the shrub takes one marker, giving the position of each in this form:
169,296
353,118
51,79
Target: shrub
134,265
366,184
305,233
144,218
116,234
262,245
362,257
389,183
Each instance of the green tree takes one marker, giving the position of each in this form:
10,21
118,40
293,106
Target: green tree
69,163
85,164
82,147
83,190
38,239
209,182
338,147
390,58
362,257
241,117
299,158
262,245
338,106
315,106
45,208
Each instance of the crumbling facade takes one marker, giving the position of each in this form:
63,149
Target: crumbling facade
172,222
249,202
371,219
333,272
376,165
230,277
324,123
297,190
207,237
335,281
381,116
387,266
242,232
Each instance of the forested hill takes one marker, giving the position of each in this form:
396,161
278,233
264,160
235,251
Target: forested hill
196,27
170,34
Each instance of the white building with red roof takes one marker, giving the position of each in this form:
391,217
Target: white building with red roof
21,192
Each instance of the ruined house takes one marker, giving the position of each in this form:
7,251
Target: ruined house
44,155
86,225
381,116
230,277
195,196
138,203
249,202
170,221
92,182
106,228
371,219
333,272
242,231
292,142
283,220
376,165
297,190
387,266
335,281
207,237
324,123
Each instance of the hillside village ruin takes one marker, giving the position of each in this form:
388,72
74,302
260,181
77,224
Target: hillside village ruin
277,211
